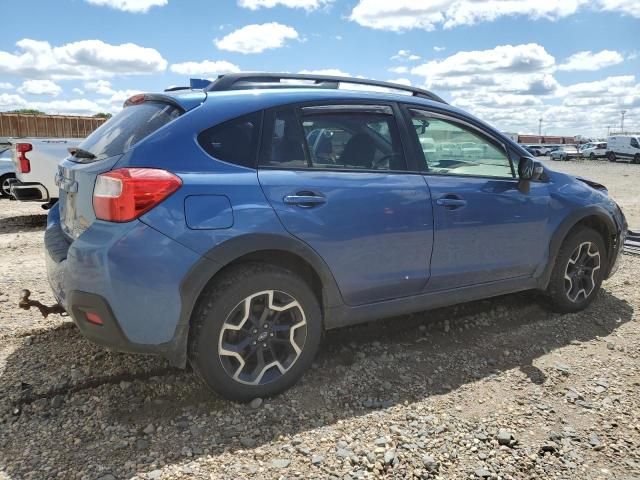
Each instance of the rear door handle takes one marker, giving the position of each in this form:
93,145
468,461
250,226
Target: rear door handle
451,203
304,200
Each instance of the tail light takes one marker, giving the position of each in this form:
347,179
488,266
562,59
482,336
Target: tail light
23,161
126,193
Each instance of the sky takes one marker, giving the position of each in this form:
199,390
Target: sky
572,63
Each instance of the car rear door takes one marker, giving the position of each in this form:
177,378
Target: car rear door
337,178
486,228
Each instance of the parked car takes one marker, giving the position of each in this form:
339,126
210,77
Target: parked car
36,163
566,152
211,230
594,150
623,147
7,171
535,151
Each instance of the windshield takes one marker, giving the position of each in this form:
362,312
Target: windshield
128,127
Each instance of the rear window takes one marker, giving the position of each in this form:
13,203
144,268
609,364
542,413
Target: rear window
128,127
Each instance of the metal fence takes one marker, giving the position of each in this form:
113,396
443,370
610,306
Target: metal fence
48,126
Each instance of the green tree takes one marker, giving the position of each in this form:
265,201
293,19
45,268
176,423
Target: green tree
29,111
103,115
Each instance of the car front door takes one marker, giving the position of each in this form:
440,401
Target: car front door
337,178
486,228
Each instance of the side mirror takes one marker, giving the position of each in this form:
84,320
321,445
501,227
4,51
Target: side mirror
526,168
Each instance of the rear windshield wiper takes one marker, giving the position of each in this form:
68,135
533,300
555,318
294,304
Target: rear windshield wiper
81,153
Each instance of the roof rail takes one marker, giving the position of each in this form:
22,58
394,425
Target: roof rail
248,81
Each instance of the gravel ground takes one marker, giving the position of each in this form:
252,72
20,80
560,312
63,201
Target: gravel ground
500,388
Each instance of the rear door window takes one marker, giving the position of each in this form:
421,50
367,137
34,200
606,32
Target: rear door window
336,137
128,127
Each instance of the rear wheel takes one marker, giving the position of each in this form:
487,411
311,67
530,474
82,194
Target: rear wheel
636,158
5,183
579,271
255,332
611,157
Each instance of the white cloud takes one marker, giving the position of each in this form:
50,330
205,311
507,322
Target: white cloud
408,14
336,72
5,85
405,55
78,106
402,69
101,87
306,4
204,68
133,6
590,61
257,38
526,58
83,59
626,7
439,49
78,91
11,102
40,87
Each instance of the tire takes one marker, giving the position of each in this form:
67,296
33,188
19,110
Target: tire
636,158
4,185
592,156
220,316
611,157
573,286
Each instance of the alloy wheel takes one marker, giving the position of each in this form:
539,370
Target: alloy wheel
6,184
262,338
580,272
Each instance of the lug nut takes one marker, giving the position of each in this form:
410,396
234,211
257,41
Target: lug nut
255,330
265,325
271,334
254,343
264,345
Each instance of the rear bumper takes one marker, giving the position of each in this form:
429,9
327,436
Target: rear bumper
29,191
129,275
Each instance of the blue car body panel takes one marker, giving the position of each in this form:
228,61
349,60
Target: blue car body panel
375,230
379,242
474,244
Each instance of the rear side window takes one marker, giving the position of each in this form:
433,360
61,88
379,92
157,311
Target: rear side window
234,141
128,127
634,143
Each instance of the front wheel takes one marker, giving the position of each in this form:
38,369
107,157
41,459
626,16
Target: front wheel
578,272
611,157
255,332
592,156
5,183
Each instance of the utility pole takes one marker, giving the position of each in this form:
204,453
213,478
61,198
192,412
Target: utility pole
608,130
622,112
539,127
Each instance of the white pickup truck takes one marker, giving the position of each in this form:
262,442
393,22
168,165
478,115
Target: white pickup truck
36,163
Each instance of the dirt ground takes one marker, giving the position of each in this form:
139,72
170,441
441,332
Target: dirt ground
500,388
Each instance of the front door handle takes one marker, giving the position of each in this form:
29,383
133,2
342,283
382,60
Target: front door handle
451,203
304,200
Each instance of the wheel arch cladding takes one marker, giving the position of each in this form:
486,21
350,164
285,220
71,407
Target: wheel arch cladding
593,217
274,249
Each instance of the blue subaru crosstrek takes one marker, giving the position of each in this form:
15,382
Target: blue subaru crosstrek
229,226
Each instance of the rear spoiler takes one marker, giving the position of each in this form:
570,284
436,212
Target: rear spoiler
183,102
